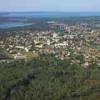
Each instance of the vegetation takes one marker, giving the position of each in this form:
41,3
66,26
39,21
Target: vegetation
48,78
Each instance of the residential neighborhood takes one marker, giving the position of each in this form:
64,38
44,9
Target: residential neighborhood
72,42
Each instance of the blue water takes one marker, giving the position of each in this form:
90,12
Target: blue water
49,14
17,19
13,24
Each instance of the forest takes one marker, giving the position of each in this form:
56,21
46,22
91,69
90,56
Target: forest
48,78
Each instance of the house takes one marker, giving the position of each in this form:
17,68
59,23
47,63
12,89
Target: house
19,56
39,46
55,35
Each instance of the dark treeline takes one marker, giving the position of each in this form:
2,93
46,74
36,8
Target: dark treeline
48,78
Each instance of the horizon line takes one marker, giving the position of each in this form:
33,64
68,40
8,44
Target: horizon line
51,11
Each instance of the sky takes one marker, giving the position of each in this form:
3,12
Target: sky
50,5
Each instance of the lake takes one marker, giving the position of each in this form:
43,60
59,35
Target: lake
20,19
13,24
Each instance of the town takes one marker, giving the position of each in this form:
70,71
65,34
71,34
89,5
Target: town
79,43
